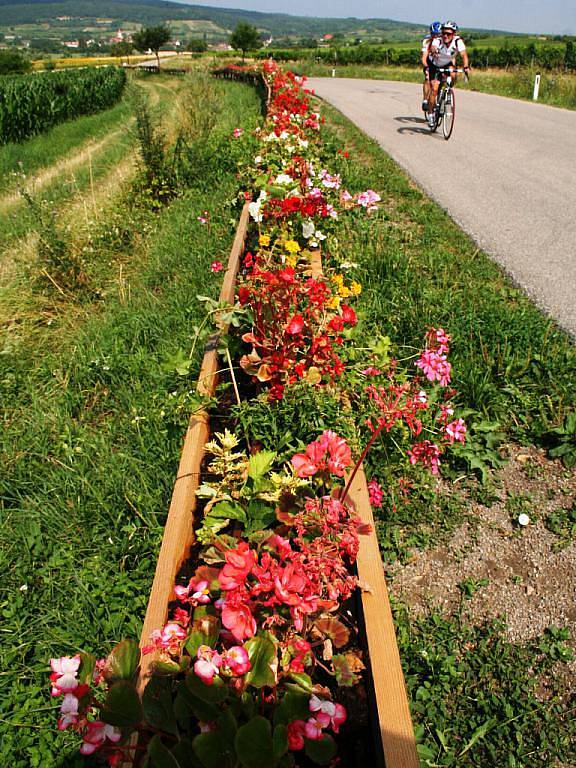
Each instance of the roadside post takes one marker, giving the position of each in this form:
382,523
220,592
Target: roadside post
536,87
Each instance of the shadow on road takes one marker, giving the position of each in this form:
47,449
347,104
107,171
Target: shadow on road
420,121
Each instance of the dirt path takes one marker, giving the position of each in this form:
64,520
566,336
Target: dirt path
506,175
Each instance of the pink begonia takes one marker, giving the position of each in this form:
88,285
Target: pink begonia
445,412
69,712
345,196
236,660
329,181
371,371
202,219
456,431
200,593
427,454
376,493
313,729
207,664
238,132
368,199
96,734
434,366
335,712
216,266
167,639
64,671
239,620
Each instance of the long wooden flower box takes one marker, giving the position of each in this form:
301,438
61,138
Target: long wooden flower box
392,724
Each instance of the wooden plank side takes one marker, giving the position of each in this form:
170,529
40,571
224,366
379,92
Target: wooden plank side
178,532
396,727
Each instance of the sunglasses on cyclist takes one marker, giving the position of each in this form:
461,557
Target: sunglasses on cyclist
447,34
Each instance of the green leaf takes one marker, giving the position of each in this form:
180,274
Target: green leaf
280,741
212,694
345,676
320,751
157,701
178,362
123,661
260,464
254,744
122,706
160,756
227,510
188,707
262,653
303,681
479,733
295,705
205,630
214,751
184,753
87,667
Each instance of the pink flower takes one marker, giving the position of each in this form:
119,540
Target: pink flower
64,671
237,132
296,735
69,712
207,664
239,620
371,371
239,563
236,660
216,266
96,734
456,431
435,367
427,454
328,446
376,493
368,199
202,219
439,340
313,729
335,712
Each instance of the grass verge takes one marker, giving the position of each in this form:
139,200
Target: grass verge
93,417
556,89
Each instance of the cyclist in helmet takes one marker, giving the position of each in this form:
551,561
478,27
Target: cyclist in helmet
443,53
434,34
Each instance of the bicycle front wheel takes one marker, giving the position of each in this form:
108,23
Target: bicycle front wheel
449,112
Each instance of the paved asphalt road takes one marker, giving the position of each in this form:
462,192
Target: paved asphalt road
507,175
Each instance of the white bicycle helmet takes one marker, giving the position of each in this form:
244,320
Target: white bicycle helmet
450,25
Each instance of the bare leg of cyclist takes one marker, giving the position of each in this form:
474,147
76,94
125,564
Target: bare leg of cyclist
433,96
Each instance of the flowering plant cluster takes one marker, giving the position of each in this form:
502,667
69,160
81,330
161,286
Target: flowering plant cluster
251,669
297,318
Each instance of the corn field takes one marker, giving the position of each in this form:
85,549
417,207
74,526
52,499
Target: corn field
30,104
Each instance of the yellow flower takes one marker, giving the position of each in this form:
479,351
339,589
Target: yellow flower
291,246
291,260
344,291
333,303
264,240
338,279
356,288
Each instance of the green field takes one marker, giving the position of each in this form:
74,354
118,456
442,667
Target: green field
93,413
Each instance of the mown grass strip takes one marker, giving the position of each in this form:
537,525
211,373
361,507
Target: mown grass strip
92,428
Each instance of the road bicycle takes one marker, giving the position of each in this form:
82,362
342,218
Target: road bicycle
445,108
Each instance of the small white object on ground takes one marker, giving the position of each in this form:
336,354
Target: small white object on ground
523,519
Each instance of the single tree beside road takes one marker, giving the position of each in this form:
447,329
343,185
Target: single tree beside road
245,38
151,39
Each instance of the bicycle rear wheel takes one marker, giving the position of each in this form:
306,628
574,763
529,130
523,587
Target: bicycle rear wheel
449,112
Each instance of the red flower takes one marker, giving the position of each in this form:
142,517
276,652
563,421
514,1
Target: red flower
348,315
239,563
295,325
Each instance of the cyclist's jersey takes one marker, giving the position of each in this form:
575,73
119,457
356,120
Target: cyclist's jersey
442,54
427,42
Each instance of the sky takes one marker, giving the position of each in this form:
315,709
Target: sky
543,16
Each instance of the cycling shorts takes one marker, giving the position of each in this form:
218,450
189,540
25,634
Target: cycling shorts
434,72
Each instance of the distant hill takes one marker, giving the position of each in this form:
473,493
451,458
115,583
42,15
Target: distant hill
24,12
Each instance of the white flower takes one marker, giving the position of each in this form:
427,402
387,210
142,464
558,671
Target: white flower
283,179
258,159
308,229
